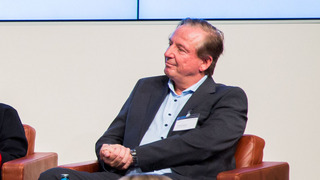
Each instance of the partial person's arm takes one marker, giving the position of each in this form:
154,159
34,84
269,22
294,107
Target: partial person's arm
13,142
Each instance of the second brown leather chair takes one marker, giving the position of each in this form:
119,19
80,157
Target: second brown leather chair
249,164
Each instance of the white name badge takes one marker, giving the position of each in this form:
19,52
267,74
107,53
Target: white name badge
186,122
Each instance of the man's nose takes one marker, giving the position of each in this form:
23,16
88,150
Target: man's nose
168,54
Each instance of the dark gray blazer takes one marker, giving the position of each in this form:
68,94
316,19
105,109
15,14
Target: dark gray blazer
199,153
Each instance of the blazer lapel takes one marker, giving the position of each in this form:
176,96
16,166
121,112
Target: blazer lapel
206,89
155,100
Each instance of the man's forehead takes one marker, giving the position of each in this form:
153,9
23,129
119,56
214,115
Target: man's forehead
189,33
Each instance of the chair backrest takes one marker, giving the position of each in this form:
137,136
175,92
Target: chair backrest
31,136
249,151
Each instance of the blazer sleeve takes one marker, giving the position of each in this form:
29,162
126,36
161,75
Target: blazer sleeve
116,130
13,142
222,122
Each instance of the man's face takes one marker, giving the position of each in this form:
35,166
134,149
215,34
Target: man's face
181,58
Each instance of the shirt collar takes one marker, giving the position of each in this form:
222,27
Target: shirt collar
190,89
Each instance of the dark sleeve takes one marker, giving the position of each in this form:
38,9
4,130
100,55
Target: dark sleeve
222,122
116,130
13,142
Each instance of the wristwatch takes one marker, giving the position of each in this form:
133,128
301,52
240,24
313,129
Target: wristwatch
133,153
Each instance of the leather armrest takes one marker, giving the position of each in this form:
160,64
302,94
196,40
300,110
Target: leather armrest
88,166
263,171
29,167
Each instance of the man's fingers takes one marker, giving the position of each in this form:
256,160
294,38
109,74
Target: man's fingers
127,160
116,155
122,160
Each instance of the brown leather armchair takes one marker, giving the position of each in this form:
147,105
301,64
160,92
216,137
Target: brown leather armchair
30,166
249,164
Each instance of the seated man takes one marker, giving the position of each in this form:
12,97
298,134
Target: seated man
13,142
182,125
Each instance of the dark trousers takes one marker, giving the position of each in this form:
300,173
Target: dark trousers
55,174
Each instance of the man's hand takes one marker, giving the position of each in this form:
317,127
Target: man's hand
116,156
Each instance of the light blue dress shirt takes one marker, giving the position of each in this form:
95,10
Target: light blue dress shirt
165,117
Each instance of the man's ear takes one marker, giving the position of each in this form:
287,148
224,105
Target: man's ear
207,60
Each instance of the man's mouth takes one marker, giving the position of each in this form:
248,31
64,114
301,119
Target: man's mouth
169,64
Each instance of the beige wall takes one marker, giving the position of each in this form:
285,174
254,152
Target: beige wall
70,79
